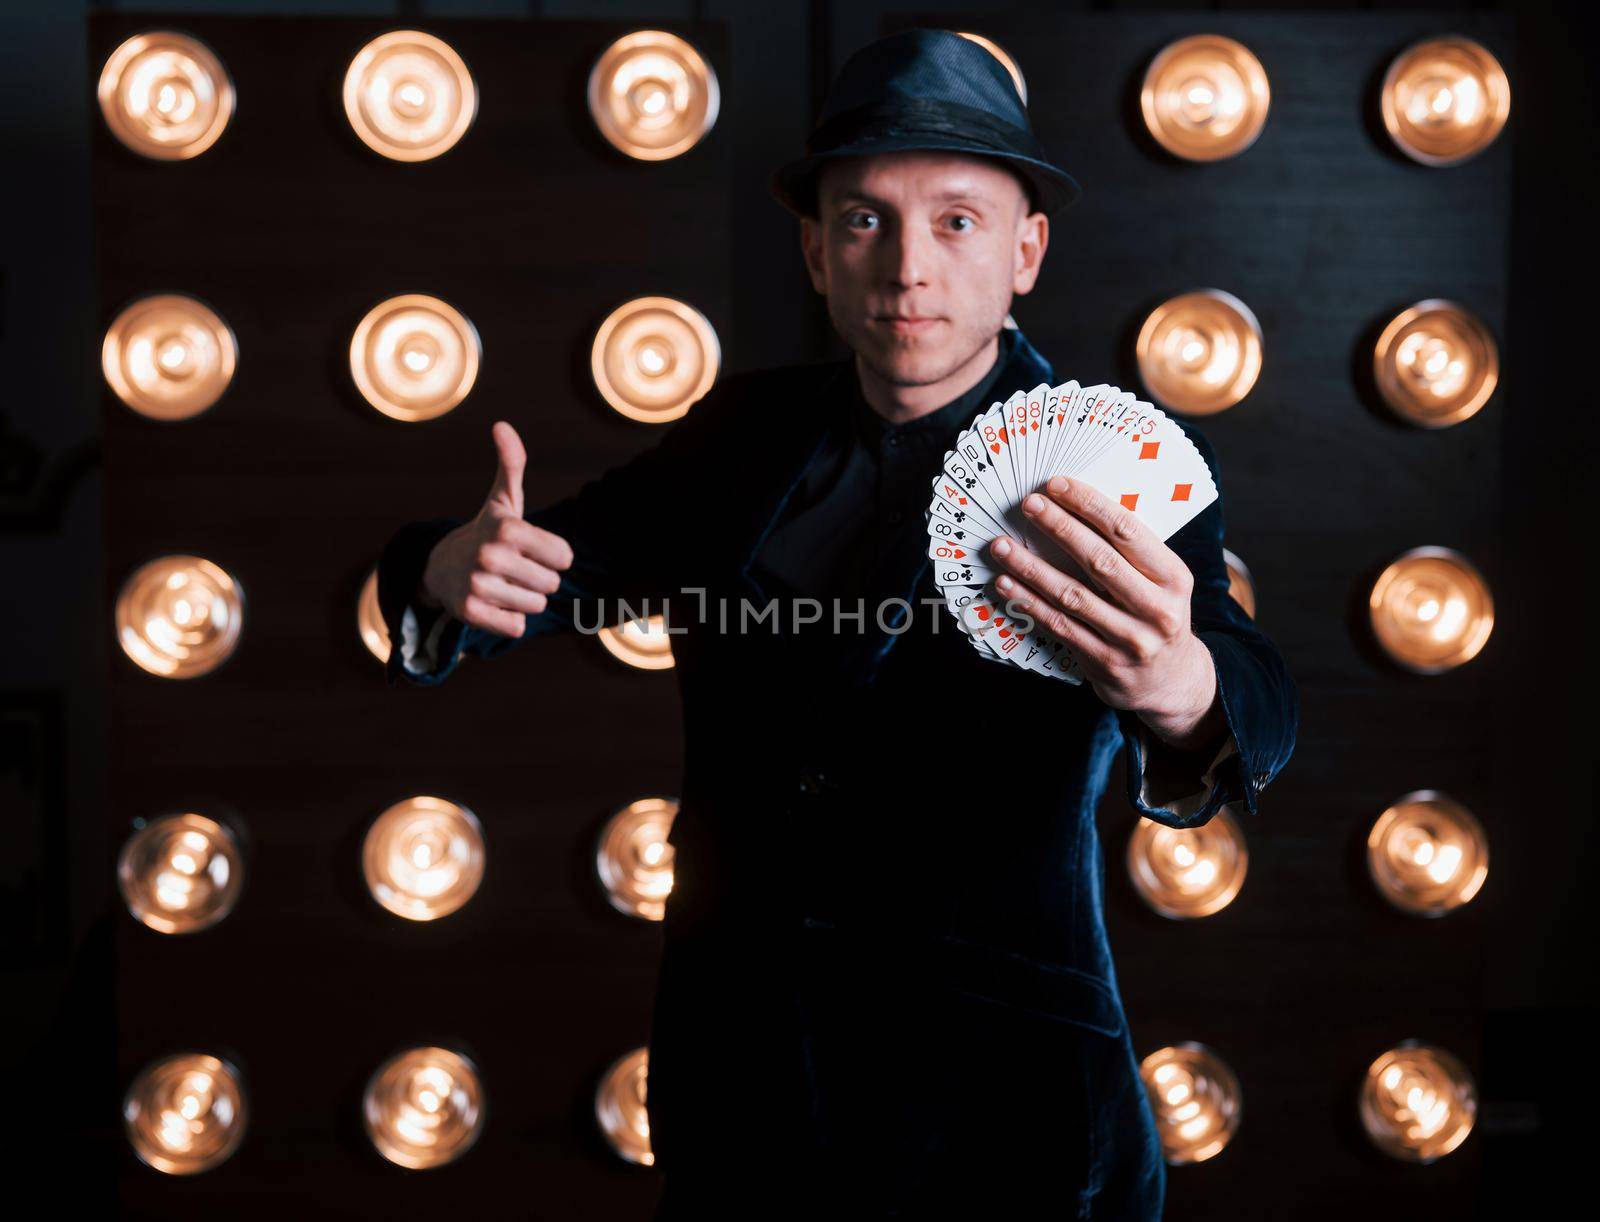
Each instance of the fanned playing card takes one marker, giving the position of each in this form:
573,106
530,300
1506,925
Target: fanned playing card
1123,447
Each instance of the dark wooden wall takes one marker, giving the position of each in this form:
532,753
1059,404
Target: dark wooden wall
535,229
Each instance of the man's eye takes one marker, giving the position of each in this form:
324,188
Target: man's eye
859,216
967,219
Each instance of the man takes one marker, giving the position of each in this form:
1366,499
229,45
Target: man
886,989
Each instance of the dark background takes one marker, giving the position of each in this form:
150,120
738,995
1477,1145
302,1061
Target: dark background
535,228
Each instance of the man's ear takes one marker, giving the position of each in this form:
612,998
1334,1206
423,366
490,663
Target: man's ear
811,249
1033,237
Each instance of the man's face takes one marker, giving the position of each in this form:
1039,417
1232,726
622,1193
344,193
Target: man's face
919,254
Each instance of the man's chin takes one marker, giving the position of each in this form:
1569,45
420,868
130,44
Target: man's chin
904,367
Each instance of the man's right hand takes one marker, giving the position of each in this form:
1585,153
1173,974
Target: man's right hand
496,570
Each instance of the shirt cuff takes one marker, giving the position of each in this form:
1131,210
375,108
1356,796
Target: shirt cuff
419,654
1167,783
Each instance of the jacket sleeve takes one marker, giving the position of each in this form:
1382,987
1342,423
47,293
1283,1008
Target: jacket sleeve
1260,701
619,565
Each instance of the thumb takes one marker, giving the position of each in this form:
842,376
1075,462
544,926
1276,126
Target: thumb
506,491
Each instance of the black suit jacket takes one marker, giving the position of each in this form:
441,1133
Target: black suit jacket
879,867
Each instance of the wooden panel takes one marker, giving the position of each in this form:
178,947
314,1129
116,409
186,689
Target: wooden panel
1326,232
535,228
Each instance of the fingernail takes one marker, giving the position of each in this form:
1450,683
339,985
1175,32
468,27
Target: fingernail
1002,547
1033,503
1004,583
1058,483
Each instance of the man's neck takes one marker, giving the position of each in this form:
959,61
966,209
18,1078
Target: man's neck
898,404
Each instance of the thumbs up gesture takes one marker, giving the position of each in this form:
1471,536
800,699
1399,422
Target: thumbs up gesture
496,570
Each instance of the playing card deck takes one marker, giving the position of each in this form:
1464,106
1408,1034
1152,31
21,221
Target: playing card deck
1121,446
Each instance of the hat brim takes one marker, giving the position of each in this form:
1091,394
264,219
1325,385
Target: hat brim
794,185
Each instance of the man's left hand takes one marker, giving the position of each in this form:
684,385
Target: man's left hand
1128,623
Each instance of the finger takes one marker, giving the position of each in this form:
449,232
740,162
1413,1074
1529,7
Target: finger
506,490
1099,559
483,614
497,591
535,542
507,563
1127,531
1065,596
1089,646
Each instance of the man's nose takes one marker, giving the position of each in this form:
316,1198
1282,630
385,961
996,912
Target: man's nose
911,256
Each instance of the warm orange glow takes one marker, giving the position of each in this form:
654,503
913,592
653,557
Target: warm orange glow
647,646
1205,97
424,1107
1196,1100
1185,873
409,96
165,95
185,1113
1427,854
634,858
1418,1102
653,357
1436,363
415,357
1445,100
1007,61
423,858
1431,610
652,95
168,357
180,873
179,617
1199,353
369,619
619,1107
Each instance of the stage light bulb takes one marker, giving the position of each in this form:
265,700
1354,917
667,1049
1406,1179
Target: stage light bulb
646,645
634,858
1436,363
1418,1102
1199,353
1205,97
1444,100
1007,61
409,96
168,356
180,873
415,357
1191,872
185,1113
619,1107
1427,854
179,616
1431,610
424,1107
1195,1098
165,95
653,357
423,858
653,95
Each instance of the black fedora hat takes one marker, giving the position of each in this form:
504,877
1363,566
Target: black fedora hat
924,89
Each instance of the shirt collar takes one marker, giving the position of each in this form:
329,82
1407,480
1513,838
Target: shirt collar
942,424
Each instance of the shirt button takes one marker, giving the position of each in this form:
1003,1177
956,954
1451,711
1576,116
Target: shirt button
893,440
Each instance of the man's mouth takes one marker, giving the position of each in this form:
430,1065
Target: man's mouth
908,324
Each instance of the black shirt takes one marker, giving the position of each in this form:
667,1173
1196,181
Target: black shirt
859,507
854,527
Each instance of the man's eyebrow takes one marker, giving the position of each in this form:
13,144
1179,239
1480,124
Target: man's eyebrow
973,193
